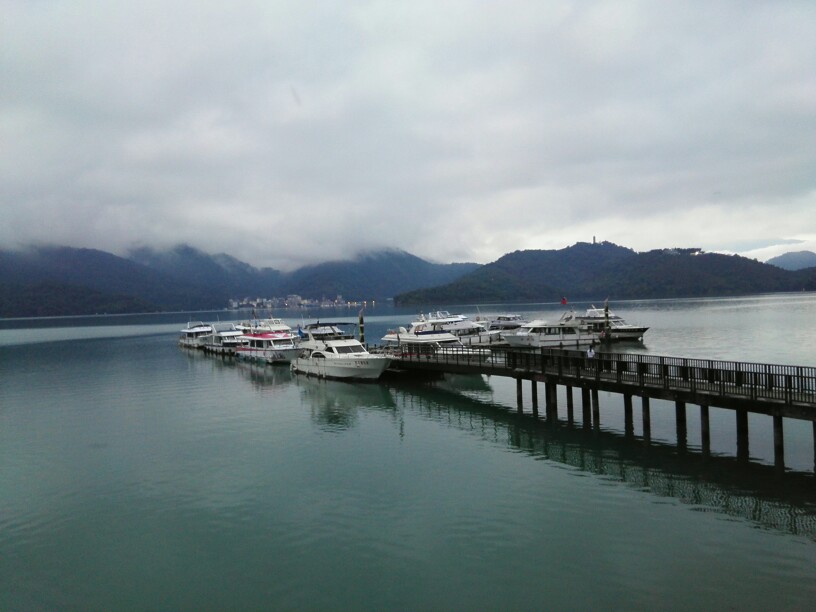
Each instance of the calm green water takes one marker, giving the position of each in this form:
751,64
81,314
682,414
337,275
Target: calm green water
135,475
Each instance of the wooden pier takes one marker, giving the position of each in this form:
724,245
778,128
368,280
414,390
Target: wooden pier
778,391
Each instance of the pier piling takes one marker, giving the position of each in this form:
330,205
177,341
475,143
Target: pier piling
682,434
587,418
647,420
534,394
596,409
628,424
705,431
519,397
779,391
779,443
742,435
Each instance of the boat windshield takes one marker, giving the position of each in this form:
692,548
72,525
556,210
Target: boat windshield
351,348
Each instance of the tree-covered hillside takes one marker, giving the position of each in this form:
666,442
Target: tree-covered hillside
598,271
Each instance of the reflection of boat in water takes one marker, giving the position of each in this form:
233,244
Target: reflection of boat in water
263,377
326,351
336,404
192,336
464,382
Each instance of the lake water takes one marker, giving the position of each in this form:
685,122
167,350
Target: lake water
136,475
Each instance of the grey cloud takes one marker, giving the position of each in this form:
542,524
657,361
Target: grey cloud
285,135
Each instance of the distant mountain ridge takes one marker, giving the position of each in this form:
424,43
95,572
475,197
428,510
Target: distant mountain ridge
597,271
51,281
798,260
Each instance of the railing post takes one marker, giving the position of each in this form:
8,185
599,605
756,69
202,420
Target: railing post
664,373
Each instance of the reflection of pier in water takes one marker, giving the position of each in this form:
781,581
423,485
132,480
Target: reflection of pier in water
779,391
756,492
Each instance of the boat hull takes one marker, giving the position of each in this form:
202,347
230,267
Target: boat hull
268,355
558,342
369,367
220,349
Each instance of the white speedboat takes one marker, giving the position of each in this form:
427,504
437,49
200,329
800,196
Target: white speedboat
568,332
222,341
326,351
192,335
611,326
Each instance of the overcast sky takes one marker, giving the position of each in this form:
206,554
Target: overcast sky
286,133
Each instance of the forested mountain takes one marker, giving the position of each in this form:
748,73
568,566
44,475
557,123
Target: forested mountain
66,281
61,280
524,276
188,265
379,275
49,281
375,275
598,271
798,260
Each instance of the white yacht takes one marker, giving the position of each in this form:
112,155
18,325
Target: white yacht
326,351
224,341
405,342
502,322
269,347
470,333
192,335
568,332
611,326
267,340
270,324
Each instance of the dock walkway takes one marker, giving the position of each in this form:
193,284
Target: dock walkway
780,391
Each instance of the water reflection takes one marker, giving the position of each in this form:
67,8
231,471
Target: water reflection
752,491
336,405
261,376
